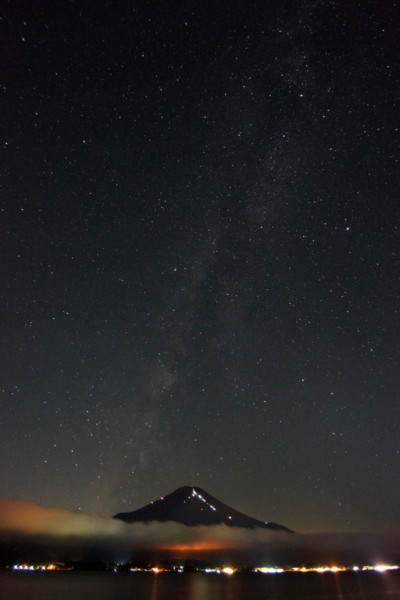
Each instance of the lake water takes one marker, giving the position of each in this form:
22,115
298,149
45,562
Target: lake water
196,586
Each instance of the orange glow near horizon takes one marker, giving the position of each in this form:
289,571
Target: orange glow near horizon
198,546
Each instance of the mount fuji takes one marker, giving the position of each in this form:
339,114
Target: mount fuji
193,506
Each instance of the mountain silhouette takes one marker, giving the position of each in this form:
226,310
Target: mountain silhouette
191,505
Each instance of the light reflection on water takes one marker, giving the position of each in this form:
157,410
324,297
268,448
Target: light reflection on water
193,586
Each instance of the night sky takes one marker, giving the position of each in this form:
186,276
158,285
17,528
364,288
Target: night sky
200,257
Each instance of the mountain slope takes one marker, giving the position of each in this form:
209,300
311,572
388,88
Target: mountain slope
194,506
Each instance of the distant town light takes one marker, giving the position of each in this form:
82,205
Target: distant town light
228,570
383,568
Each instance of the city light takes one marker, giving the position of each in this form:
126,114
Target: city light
228,570
383,568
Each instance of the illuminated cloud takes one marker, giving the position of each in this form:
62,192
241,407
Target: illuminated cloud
29,517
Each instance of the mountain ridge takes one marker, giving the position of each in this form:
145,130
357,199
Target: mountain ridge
193,506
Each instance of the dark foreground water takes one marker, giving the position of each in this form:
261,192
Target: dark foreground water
193,586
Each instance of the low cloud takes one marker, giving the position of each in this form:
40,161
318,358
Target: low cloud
32,518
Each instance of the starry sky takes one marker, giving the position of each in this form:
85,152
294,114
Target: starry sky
200,257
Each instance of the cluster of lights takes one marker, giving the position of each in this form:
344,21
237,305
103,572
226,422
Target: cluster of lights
26,567
327,569
212,570
180,569
381,568
200,497
156,570
324,569
226,570
275,570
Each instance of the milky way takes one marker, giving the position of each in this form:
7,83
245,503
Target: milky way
200,258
